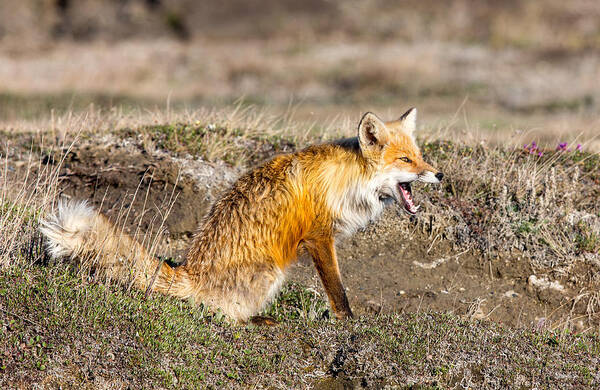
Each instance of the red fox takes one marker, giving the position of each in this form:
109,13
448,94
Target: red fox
238,258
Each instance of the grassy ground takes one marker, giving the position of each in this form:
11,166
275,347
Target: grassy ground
62,327
60,330
114,114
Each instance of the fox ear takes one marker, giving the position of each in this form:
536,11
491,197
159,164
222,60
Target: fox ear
408,120
372,132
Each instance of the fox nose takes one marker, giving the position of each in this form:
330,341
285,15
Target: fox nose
439,176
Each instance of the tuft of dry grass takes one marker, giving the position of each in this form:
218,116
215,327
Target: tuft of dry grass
24,196
502,201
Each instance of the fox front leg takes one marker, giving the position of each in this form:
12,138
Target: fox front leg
325,260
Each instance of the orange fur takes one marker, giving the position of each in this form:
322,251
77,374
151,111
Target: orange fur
252,234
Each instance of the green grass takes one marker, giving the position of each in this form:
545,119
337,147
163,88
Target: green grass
587,240
58,327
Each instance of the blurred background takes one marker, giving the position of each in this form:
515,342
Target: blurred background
500,69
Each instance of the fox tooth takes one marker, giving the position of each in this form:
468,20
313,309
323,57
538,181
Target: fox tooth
417,207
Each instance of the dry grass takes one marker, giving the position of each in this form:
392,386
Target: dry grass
24,197
499,201
522,66
507,99
512,200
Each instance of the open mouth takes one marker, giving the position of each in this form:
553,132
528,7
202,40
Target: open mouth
409,203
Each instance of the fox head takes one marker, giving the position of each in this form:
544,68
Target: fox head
391,149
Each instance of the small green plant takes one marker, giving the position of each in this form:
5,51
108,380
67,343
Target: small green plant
526,227
587,240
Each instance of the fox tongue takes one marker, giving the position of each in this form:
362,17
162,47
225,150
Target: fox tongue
409,204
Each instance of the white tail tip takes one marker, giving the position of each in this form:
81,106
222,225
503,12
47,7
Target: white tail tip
64,230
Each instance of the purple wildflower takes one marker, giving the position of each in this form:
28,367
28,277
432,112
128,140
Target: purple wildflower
578,148
533,149
562,147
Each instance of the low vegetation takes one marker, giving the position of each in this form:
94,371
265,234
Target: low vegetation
61,325
60,328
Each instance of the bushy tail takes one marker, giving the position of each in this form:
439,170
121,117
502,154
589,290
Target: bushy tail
77,231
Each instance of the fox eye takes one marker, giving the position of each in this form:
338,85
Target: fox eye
405,159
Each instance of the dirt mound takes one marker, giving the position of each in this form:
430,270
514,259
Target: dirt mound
125,182
391,266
